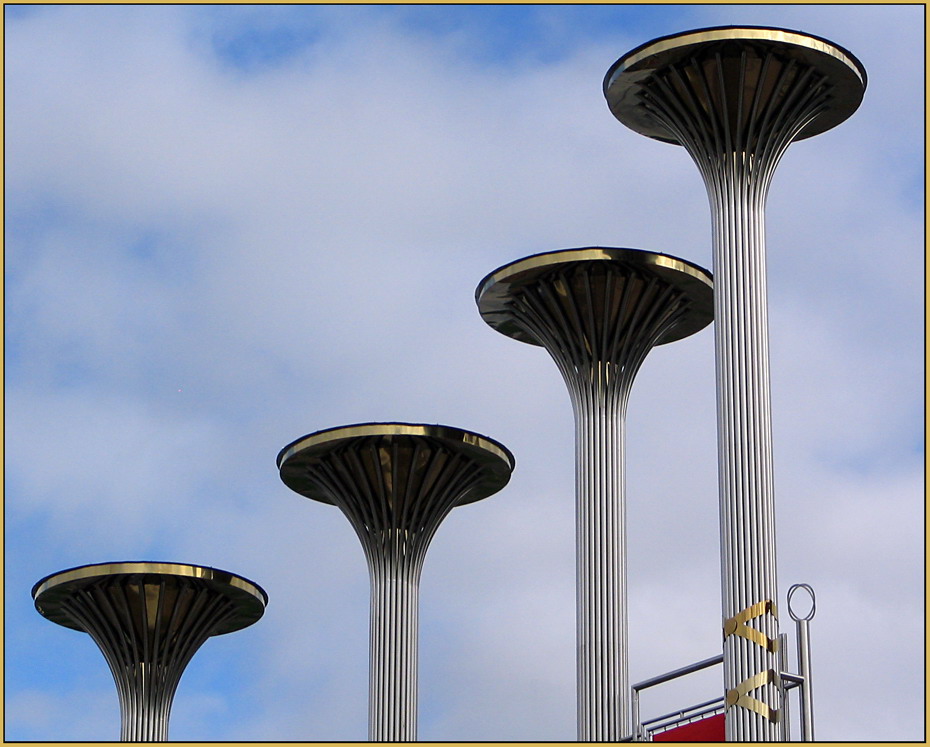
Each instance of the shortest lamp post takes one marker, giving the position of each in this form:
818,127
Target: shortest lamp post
148,619
395,482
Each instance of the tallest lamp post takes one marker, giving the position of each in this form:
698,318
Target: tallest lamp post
735,98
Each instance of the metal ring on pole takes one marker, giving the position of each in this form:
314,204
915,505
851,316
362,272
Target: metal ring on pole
810,615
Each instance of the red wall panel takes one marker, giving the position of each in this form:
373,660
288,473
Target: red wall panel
710,729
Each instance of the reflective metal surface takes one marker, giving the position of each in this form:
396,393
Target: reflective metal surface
148,619
494,292
598,312
802,623
760,65
785,717
395,482
735,98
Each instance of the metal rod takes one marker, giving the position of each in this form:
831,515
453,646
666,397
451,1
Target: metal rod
802,623
675,673
804,668
785,703
637,731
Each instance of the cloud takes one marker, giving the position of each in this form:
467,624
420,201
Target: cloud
90,714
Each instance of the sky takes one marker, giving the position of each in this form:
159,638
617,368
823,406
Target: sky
227,227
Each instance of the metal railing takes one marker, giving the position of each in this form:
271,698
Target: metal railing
640,729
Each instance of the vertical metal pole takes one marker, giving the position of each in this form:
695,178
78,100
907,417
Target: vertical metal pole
603,680
804,669
804,661
394,615
634,710
785,710
735,98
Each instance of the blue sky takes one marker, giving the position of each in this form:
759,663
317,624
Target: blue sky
229,226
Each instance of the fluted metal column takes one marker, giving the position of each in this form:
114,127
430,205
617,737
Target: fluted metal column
395,482
148,619
598,312
735,98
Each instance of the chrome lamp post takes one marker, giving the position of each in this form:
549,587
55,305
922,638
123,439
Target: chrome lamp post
395,482
735,98
148,619
598,312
